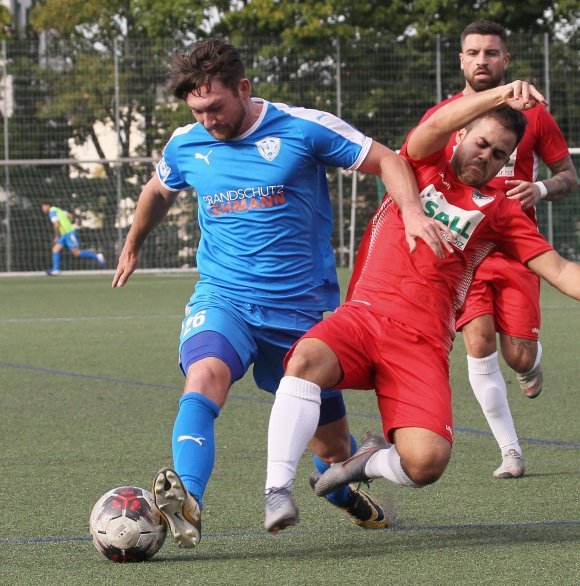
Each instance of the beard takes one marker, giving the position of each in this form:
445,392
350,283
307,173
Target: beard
480,84
233,129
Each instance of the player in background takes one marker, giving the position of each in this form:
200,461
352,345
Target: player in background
266,265
65,236
505,296
395,332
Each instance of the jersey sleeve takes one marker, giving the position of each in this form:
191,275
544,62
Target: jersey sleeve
167,168
519,236
330,140
423,168
551,144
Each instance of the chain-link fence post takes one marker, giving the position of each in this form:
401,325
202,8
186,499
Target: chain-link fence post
6,115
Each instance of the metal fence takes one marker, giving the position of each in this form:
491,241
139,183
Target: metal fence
82,127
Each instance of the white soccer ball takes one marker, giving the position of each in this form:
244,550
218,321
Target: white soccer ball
126,526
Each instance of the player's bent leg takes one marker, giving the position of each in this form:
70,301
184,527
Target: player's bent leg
524,356
424,454
419,457
178,508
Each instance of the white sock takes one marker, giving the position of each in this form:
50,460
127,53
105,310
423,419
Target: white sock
386,463
490,390
293,421
538,357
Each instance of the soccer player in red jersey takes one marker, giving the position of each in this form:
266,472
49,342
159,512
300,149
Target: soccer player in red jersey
395,332
505,296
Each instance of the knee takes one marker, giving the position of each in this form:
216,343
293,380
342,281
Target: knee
481,344
520,356
301,363
316,362
426,470
425,464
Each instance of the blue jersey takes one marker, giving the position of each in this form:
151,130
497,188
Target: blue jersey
264,208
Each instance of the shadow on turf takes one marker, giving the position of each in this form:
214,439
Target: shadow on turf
357,543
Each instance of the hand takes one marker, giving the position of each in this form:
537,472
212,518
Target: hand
527,193
521,95
435,234
126,266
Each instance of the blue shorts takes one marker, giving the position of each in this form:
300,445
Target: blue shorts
70,240
259,335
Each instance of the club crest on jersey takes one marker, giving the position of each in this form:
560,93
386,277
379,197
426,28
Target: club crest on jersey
462,223
269,147
164,169
480,198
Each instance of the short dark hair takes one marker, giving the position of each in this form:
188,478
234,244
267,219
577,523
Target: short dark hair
512,120
208,60
485,27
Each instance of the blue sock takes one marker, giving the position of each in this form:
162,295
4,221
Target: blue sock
193,442
87,254
340,497
55,261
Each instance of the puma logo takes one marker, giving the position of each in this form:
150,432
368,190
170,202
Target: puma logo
197,440
203,157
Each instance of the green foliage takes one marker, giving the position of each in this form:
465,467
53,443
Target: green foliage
6,23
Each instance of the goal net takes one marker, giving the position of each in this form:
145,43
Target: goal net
102,196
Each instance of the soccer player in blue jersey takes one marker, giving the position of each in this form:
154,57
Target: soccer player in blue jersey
65,236
266,265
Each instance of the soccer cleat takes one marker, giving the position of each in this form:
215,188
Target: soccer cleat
178,508
361,508
531,382
101,259
281,510
353,469
512,466
52,272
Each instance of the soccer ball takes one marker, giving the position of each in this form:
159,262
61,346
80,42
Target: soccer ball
126,526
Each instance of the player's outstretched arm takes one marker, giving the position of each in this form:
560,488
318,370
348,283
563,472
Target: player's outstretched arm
397,175
434,133
559,272
153,205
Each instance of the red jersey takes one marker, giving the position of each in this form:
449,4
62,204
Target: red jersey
420,289
543,140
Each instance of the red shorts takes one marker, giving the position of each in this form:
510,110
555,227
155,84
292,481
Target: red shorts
510,292
408,370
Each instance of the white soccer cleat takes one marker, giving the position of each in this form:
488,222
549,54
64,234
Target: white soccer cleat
52,272
531,382
512,466
101,260
281,510
177,507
